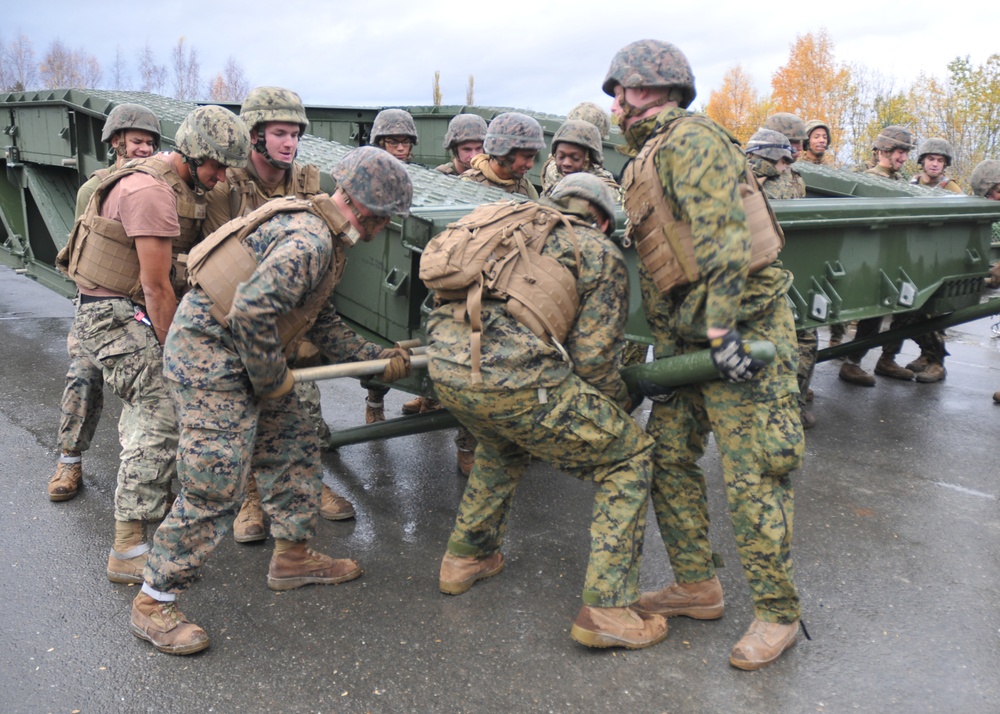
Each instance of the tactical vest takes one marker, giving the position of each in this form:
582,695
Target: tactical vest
222,261
665,244
100,254
495,252
245,198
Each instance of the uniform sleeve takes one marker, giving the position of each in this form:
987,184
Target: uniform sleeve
700,172
285,277
337,341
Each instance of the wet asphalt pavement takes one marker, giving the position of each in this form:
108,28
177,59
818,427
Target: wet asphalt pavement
896,550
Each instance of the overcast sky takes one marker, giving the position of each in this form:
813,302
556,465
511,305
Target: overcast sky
546,55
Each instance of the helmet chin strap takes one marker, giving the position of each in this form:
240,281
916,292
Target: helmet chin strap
629,110
193,165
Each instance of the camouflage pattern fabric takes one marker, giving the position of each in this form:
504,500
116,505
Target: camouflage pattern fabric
448,169
931,344
551,175
309,397
943,182
808,341
481,173
83,396
777,184
756,424
131,358
886,173
579,431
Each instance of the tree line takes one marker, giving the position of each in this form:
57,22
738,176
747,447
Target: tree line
857,102
62,67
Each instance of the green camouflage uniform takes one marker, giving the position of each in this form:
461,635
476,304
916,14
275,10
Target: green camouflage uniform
551,175
522,185
448,169
944,182
217,376
756,423
532,402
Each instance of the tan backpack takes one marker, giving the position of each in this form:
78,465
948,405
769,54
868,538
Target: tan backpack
494,252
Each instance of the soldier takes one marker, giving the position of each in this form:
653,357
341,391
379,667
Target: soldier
934,157
226,364
577,147
770,156
276,120
557,398
590,112
985,181
154,208
890,151
794,130
817,143
464,139
687,175
512,142
133,132
394,131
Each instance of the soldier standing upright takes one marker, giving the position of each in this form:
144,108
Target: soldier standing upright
685,181
258,286
934,157
816,147
154,208
132,132
464,139
512,143
577,147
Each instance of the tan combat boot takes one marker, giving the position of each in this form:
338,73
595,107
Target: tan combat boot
763,643
420,405
66,482
617,627
919,364
934,372
333,506
701,601
295,564
374,407
466,460
249,524
128,556
853,372
459,573
996,397
165,627
887,367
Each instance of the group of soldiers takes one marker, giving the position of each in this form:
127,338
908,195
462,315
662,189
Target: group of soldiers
205,276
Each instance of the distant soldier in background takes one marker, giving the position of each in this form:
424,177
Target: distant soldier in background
794,130
512,143
816,147
985,181
590,112
132,132
464,139
934,157
577,147
276,120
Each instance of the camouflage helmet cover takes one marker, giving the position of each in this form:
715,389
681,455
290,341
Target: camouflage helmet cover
511,131
651,63
375,179
266,104
214,132
814,124
463,128
130,116
770,144
588,111
588,187
985,176
938,146
393,122
582,133
893,137
788,124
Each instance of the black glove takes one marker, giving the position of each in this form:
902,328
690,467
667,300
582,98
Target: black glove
731,356
653,391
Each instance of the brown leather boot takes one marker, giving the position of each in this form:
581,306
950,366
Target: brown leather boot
702,600
887,367
374,407
249,524
333,506
617,627
807,418
295,564
763,643
932,373
128,556
459,573
420,405
65,484
165,627
852,372
466,460
996,397
919,364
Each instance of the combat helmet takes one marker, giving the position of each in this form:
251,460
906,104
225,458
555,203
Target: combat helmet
511,131
376,180
393,122
770,144
942,147
985,176
463,128
212,132
267,104
589,188
583,133
893,137
788,124
814,124
131,116
588,111
651,63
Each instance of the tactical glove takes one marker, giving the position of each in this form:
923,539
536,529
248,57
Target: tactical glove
731,356
398,367
653,391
